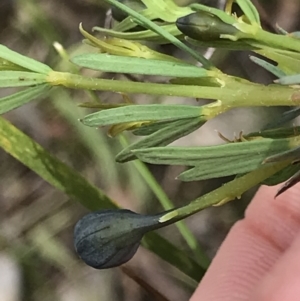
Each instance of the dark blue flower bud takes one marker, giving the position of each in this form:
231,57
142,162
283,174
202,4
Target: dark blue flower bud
203,26
109,238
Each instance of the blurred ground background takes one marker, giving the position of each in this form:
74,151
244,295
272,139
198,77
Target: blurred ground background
37,259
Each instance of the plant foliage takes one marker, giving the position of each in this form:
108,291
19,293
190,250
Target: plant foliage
268,157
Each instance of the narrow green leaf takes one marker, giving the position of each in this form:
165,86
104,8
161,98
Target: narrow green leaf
275,133
291,154
269,67
289,80
288,61
216,161
141,113
20,79
147,34
102,106
167,10
173,255
120,16
136,65
129,25
295,34
141,8
215,11
149,129
162,137
20,98
192,156
211,171
249,10
283,119
7,65
290,183
282,175
64,178
59,175
23,61
281,30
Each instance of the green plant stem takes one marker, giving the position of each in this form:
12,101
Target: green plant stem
74,81
228,192
167,205
277,41
234,94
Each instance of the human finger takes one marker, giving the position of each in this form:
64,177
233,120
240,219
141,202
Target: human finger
252,246
282,281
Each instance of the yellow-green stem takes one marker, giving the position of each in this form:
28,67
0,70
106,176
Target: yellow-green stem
285,42
227,192
234,93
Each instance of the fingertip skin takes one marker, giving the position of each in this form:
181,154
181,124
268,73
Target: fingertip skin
276,219
253,248
282,282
